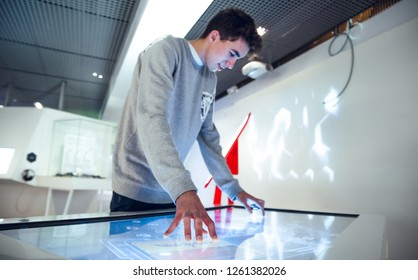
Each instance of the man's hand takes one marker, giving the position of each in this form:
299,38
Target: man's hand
189,207
250,201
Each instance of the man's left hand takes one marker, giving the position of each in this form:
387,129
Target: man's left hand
250,201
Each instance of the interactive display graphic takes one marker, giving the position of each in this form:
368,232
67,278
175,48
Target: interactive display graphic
277,235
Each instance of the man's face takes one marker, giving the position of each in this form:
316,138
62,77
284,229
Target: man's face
224,54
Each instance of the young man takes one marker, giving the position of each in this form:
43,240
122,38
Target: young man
169,107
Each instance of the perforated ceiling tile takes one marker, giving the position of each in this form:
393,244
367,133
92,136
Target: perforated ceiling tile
291,24
63,40
46,42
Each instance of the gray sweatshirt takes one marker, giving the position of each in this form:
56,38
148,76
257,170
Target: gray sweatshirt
168,108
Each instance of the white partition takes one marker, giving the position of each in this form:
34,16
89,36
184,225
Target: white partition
27,131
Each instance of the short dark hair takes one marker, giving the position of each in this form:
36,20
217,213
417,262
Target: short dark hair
233,24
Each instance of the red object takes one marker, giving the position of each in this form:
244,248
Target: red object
232,161
232,158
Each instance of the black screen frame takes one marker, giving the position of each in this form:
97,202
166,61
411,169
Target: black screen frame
76,219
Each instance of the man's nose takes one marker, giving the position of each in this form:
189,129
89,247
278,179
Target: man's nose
230,63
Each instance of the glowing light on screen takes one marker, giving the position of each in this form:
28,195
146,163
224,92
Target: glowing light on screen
275,237
6,156
329,221
257,217
322,247
249,253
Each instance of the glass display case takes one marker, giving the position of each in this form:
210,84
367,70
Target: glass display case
82,148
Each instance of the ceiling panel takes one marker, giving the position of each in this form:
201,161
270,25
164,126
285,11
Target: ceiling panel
291,24
44,43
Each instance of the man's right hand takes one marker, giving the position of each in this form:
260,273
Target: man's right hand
188,208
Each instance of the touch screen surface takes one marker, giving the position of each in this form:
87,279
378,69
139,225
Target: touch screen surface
277,235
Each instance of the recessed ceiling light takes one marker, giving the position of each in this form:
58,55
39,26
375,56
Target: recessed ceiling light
38,105
261,30
95,74
100,76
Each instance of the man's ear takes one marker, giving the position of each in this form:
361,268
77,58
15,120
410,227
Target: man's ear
214,35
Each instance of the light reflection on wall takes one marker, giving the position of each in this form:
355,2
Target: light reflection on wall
331,101
294,147
6,157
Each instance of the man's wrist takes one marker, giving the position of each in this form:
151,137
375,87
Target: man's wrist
189,192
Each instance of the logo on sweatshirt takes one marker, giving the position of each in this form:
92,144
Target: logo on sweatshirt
207,100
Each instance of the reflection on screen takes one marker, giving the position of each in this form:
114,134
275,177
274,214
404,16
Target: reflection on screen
277,235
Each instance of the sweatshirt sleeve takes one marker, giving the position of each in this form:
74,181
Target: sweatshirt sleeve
155,85
211,150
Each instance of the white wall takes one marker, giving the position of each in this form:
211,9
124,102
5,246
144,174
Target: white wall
360,158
